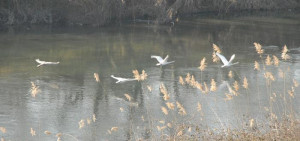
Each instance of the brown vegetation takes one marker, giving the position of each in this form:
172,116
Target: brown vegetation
100,12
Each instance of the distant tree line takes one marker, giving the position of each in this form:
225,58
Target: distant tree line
101,12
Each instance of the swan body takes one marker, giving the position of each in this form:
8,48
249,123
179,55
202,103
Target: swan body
45,63
225,61
162,62
120,79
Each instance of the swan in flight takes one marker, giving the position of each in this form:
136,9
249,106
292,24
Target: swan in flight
120,79
44,62
225,61
162,62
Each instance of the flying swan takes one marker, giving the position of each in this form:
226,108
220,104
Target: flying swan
120,79
162,62
225,62
45,63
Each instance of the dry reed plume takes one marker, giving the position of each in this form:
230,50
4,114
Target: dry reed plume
140,77
88,121
164,91
256,66
181,110
258,48
202,64
81,123
245,83
3,129
206,90
32,132
94,118
228,97
269,76
47,132
296,84
284,54
170,105
275,61
34,89
181,81
128,97
160,128
58,135
291,92
213,85
236,86
162,121
252,123
188,78
96,76
230,74
164,110
268,61
199,107
149,88
113,129
216,49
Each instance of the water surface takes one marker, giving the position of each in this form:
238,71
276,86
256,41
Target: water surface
69,92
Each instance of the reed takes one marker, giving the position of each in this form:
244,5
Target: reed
3,130
284,54
230,74
181,81
164,91
275,61
216,49
34,89
32,132
164,110
268,61
258,48
213,85
96,76
202,66
140,77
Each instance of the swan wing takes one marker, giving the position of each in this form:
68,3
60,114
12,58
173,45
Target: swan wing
117,78
166,59
52,62
223,59
158,58
231,58
39,61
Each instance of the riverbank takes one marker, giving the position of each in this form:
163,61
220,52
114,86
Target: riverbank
103,12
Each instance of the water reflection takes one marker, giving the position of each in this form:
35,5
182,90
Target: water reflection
69,92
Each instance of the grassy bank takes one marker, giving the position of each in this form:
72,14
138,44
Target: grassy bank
101,12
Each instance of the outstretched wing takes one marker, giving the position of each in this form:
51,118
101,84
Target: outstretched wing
117,78
158,58
223,59
231,58
39,61
166,59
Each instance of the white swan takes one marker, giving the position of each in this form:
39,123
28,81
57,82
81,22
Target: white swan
225,62
44,62
120,79
162,62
